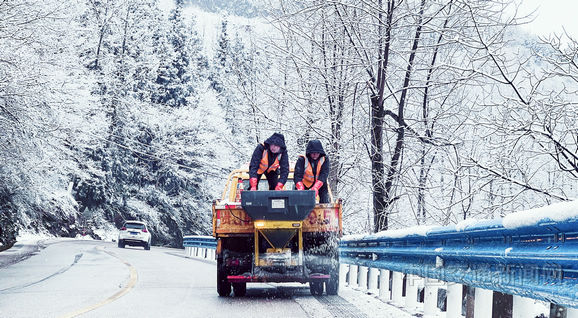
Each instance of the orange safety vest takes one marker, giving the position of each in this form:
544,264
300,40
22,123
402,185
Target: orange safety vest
264,165
308,176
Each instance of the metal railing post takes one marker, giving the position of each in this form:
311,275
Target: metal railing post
372,283
522,307
397,287
430,298
343,270
352,276
454,300
411,292
384,284
483,303
363,278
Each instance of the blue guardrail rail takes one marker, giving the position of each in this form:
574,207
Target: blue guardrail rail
538,261
199,241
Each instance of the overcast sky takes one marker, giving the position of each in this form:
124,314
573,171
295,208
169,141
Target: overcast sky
551,16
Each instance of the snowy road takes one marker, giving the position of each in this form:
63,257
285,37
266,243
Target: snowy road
70,278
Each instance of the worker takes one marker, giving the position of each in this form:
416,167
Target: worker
312,169
270,158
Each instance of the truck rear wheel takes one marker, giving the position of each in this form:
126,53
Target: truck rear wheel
223,285
316,288
240,289
223,288
332,285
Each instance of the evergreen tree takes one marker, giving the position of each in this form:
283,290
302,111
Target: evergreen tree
220,61
180,70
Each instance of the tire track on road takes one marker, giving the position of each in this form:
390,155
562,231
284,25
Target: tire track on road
60,271
328,307
340,307
133,278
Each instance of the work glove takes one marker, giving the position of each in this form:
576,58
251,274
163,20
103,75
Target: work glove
253,183
279,186
300,186
318,184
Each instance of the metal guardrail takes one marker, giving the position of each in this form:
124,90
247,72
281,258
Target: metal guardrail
538,261
199,241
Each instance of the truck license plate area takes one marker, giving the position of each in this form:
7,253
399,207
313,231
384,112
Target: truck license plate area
278,204
280,257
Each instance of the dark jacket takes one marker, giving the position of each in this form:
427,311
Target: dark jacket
312,146
275,139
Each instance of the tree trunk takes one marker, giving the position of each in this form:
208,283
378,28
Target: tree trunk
400,138
380,217
377,168
424,169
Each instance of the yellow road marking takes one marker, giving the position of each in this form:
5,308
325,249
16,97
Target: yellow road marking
131,282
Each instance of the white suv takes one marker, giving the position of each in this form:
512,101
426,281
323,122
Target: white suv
134,233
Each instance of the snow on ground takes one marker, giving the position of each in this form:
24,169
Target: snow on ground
371,305
108,234
31,238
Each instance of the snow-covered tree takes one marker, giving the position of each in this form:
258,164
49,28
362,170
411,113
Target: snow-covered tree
182,65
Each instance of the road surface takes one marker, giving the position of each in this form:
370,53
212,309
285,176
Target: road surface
86,278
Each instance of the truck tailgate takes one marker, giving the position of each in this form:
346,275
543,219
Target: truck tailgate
232,219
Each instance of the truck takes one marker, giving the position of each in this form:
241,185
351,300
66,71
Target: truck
275,236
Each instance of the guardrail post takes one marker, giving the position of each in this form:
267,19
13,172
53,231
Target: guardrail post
454,300
363,278
352,276
483,302
384,284
411,283
372,283
522,307
396,288
430,298
343,270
